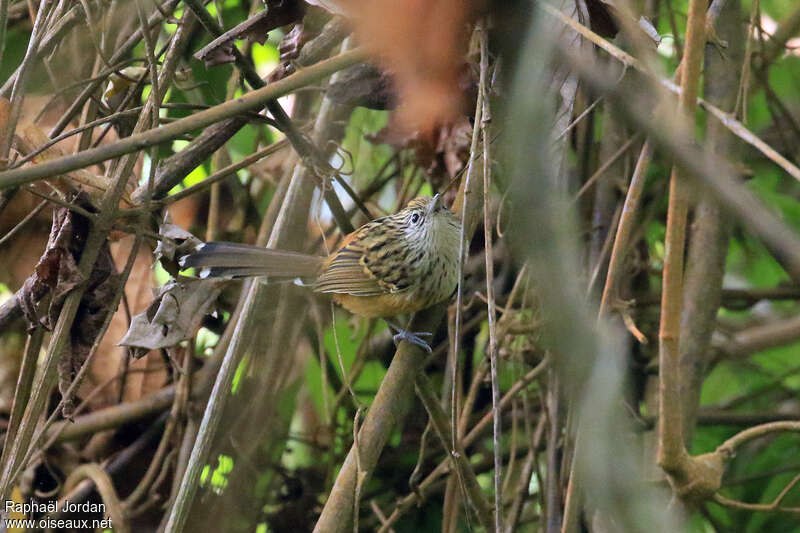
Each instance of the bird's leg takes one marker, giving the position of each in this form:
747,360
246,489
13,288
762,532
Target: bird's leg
414,337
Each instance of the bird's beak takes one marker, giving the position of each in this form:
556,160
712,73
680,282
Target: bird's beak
434,204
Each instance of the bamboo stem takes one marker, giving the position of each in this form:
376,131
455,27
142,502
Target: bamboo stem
672,454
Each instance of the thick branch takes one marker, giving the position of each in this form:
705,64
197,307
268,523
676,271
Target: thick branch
672,454
709,236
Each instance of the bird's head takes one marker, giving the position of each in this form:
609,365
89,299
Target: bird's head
427,221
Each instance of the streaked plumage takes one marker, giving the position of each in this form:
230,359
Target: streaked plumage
396,264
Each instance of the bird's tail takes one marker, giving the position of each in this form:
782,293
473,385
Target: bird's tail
234,260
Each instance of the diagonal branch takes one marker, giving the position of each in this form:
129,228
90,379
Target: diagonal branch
249,102
730,122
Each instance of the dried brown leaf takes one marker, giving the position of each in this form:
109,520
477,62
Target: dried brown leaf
442,154
56,272
174,315
602,17
423,44
289,49
56,275
175,243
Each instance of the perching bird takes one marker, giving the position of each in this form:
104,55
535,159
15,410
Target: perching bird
397,264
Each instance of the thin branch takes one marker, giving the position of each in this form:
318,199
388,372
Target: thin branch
408,501
713,171
743,506
458,457
123,51
728,448
606,164
489,261
625,228
465,236
249,102
3,26
762,337
786,29
20,82
726,119
21,224
102,481
224,173
22,392
305,149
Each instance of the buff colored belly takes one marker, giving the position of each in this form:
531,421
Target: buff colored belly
383,305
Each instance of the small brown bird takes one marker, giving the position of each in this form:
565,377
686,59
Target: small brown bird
397,264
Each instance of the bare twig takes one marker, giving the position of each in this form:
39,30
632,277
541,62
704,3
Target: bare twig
726,119
705,264
21,224
458,456
762,337
3,26
105,487
20,82
489,259
23,390
777,44
714,172
248,102
408,501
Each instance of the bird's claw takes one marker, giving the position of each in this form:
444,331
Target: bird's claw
412,337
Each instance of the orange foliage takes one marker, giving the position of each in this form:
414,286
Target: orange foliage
423,44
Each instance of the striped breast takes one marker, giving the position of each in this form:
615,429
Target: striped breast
386,268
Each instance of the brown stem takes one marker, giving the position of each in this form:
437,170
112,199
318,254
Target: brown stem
458,457
709,236
489,261
408,501
728,448
23,390
390,406
111,417
762,337
21,80
671,451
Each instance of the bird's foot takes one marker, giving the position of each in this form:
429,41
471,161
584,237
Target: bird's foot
414,337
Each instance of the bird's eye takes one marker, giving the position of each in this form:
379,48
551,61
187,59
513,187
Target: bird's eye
414,218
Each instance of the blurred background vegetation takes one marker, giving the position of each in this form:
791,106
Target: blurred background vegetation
304,374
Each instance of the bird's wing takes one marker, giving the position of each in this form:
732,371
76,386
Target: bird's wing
349,270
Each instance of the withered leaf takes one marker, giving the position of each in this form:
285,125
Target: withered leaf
605,15
423,44
443,154
175,243
289,49
364,85
56,272
175,314
334,7
443,150
56,275
256,28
